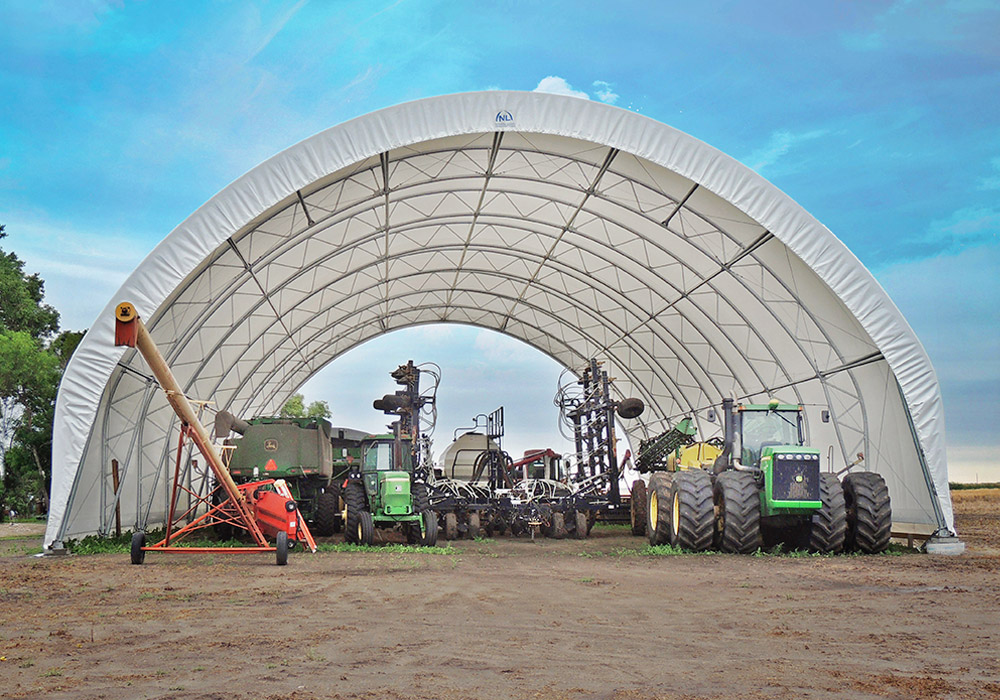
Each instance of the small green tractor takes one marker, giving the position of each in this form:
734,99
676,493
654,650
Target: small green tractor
383,490
763,486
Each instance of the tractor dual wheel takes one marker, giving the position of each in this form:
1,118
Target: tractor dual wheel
281,548
450,526
691,511
869,512
327,512
737,513
355,504
658,508
138,553
828,527
638,507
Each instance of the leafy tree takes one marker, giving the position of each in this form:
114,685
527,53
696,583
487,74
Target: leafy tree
296,407
31,363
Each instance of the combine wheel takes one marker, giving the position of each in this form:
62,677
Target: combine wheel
450,526
737,513
138,553
473,525
658,508
869,512
828,528
354,502
558,528
430,536
366,528
691,513
281,548
582,526
327,511
638,507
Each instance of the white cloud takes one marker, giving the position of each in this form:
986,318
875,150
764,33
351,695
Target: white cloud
604,92
966,226
991,182
558,86
780,143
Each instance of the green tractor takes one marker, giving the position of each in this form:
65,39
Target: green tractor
383,491
763,487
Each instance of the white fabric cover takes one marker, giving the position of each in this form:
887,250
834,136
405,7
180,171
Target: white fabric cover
579,228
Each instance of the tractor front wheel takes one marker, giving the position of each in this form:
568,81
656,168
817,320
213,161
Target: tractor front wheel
737,513
828,527
638,507
658,508
691,512
281,548
430,537
869,512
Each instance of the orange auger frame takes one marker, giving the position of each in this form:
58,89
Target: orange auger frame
249,507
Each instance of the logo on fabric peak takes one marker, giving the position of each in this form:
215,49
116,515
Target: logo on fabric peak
504,119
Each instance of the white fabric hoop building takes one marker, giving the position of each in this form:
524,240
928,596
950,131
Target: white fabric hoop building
583,230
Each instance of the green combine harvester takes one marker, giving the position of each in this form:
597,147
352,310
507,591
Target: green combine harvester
762,486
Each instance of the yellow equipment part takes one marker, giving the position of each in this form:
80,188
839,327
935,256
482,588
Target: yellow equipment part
698,455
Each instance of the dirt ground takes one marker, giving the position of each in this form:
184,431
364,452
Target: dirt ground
506,618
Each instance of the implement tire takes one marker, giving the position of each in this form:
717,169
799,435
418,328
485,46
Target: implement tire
430,536
658,508
474,529
869,512
737,513
326,513
691,513
281,548
582,528
638,507
138,553
828,527
356,503
557,529
450,526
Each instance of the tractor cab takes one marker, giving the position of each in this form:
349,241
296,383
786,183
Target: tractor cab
762,427
386,468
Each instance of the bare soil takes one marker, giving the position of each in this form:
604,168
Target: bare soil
506,619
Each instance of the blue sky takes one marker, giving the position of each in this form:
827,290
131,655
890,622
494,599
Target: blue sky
119,119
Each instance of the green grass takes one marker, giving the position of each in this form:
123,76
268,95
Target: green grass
390,548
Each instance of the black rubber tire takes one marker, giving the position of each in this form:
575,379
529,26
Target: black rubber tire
474,528
281,548
430,536
223,530
828,526
557,528
691,503
419,497
366,528
327,513
450,526
138,553
356,503
638,507
869,512
658,508
737,513
582,528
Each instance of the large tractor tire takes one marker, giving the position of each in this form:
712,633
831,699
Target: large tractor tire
327,513
638,507
366,528
430,536
557,529
691,514
737,513
450,526
418,495
356,504
658,508
869,512
223,529
828,527
474,528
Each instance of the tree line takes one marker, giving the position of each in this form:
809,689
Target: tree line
34,353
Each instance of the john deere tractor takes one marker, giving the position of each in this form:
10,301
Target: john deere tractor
383,491
762,485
